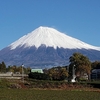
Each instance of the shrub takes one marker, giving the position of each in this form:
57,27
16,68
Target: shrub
38,76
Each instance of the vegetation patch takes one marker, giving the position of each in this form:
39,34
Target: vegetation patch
32,94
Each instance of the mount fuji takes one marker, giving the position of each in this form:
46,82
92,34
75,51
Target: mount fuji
46,47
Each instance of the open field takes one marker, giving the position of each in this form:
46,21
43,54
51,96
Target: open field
46,90
32,94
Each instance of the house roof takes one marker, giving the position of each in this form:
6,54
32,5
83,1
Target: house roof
96,71
37,70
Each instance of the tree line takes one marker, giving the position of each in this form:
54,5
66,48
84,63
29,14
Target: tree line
81,64
78,61
55,73
14,68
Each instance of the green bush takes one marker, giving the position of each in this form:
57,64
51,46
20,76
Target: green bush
38,76
4,83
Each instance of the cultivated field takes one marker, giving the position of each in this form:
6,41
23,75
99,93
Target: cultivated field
32,94
46,90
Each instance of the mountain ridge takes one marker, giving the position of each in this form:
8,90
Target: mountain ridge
46,47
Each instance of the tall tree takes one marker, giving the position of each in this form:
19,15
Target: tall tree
2,67
80,63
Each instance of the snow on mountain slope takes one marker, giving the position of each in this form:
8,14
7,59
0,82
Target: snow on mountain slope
50,38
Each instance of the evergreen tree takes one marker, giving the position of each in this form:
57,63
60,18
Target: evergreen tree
2,67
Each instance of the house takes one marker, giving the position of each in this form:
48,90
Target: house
37,70
95,74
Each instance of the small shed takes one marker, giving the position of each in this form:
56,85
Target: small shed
37,70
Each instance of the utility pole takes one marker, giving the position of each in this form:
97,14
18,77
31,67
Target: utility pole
73,74
22,73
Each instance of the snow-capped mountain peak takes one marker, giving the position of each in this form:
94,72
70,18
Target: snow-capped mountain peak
50,37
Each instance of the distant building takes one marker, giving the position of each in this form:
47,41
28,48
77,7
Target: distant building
37,70
95,74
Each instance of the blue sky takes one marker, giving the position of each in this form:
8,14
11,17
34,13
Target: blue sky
77,18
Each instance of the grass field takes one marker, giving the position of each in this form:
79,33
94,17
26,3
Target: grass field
32,94
46,90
